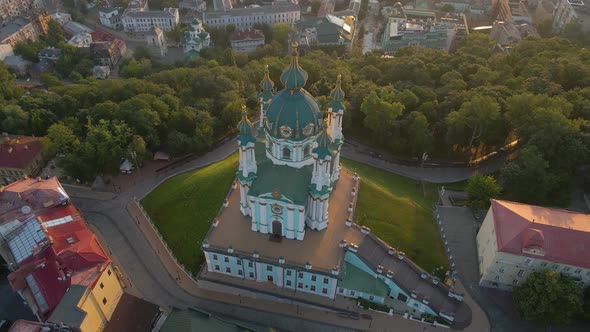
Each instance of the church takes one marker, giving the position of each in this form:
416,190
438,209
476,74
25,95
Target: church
288,220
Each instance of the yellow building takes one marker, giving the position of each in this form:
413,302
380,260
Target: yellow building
89,308
517,239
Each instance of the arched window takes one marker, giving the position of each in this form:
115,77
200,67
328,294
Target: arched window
306,150
286,153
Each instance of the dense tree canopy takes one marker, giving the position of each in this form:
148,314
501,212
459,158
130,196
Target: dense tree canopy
548,298
459,106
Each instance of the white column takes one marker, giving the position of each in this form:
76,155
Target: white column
300,233
261,122
264,226
259,272
279,279
254,216
290,233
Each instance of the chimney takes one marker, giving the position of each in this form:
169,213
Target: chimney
10,149
26,146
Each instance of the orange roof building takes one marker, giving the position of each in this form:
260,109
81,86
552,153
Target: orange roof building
517,239
20,156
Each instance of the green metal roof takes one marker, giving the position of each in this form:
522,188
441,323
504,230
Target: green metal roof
324,141
266,84
294,77
290,182
295,109
360,281
338,94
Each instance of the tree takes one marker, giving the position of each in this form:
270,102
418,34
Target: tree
380,115
545,28
587,303
548,298
204,131
476,120
28,50
49,80
55,33
14,120
60,139
281,32
527,178
137,150
419,134
480,188
448,8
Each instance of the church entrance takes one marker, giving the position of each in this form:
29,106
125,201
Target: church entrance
277,228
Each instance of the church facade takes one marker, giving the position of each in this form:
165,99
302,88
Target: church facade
288,219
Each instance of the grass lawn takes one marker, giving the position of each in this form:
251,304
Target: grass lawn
396,210
183,207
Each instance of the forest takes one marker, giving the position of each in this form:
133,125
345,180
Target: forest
452,106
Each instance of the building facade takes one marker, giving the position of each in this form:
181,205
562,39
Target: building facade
20,156
58,266
13,8
110,17
18,29
143,21
246,41
196,38
156,42
517,239
243,18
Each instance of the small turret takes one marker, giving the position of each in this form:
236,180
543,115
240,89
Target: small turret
324,142
246,129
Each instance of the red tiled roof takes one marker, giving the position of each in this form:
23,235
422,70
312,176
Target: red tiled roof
19,151
101,36
37,194
555,235
74,257
246,34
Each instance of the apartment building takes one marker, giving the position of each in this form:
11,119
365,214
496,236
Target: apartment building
143,21
244,18
517,239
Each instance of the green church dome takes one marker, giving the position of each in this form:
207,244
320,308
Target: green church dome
266,84
338,94
294,115
246,128
324,142
294,77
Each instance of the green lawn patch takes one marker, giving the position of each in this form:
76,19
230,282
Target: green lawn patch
396,210
183,207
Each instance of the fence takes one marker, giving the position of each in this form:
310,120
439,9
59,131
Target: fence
135,205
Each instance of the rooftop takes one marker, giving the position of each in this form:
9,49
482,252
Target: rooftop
357,279
133,314
275,7
320,248
18,151
165,13
290,182
408,277
10,28
67,310
29,326
246,35
538,232
22,198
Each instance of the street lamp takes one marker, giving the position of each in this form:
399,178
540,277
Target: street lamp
424,158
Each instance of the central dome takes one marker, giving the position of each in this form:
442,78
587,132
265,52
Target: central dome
294,115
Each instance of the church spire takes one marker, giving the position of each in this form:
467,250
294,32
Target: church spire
246,128
266,84
324,142
294,77
337,93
